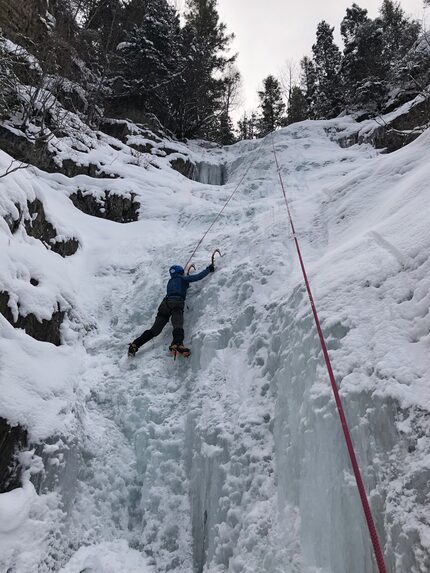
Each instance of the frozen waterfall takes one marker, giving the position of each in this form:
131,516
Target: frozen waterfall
233,460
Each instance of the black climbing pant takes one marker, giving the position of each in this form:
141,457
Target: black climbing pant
169,308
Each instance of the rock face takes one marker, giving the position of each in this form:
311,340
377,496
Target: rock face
35,23
118,208
122,129
45,330
203,172
12,439
23,17
183,166
70,168
38,227
37,153
22,149
132,108
396,134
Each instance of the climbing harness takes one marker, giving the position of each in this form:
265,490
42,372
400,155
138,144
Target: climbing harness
357,474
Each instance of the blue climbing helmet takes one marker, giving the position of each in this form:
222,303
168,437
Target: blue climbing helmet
176,270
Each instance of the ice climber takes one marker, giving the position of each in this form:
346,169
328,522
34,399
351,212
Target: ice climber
172,306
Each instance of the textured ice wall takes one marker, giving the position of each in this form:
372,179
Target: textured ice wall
234,461
312,461
210,173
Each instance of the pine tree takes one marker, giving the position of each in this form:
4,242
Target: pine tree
223,129
272,106
205,42
9,82
247,126
243,127
400,33
327,59
104,18
253,125
354,19
411,76
375,55
297,106
362,68
148,60
308,85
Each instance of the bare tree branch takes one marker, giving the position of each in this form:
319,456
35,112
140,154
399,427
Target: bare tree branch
12,169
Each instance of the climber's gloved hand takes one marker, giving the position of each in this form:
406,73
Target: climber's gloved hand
211,268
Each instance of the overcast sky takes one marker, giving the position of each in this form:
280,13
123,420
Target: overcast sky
270,32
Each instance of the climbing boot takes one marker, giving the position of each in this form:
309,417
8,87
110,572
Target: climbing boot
132,349
176,348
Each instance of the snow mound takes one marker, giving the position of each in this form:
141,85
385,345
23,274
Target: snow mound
108,558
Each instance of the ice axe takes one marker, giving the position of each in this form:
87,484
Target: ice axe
216,251
191,267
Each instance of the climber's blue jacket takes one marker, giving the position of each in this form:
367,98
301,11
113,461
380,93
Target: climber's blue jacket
178,285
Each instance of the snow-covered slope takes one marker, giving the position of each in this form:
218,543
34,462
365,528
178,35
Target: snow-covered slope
233,460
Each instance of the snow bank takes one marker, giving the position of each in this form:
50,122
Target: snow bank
108,558
25,521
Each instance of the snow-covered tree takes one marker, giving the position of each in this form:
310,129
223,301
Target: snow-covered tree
205,43
308,84
104,19
247,126
9,82
326,60
375,51
223,128
297,106
271,105
363,67
400,32
149,60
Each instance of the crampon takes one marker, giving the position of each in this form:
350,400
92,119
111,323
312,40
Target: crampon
176,349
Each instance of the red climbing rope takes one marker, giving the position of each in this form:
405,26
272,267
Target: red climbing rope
359,480
222,210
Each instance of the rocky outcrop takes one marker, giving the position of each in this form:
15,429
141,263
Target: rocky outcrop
72,168
12,439
37,226
37,153
23,18
184,166
114,207
45,330
44,27
396,134
201,171
21,148
122,129
132,109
